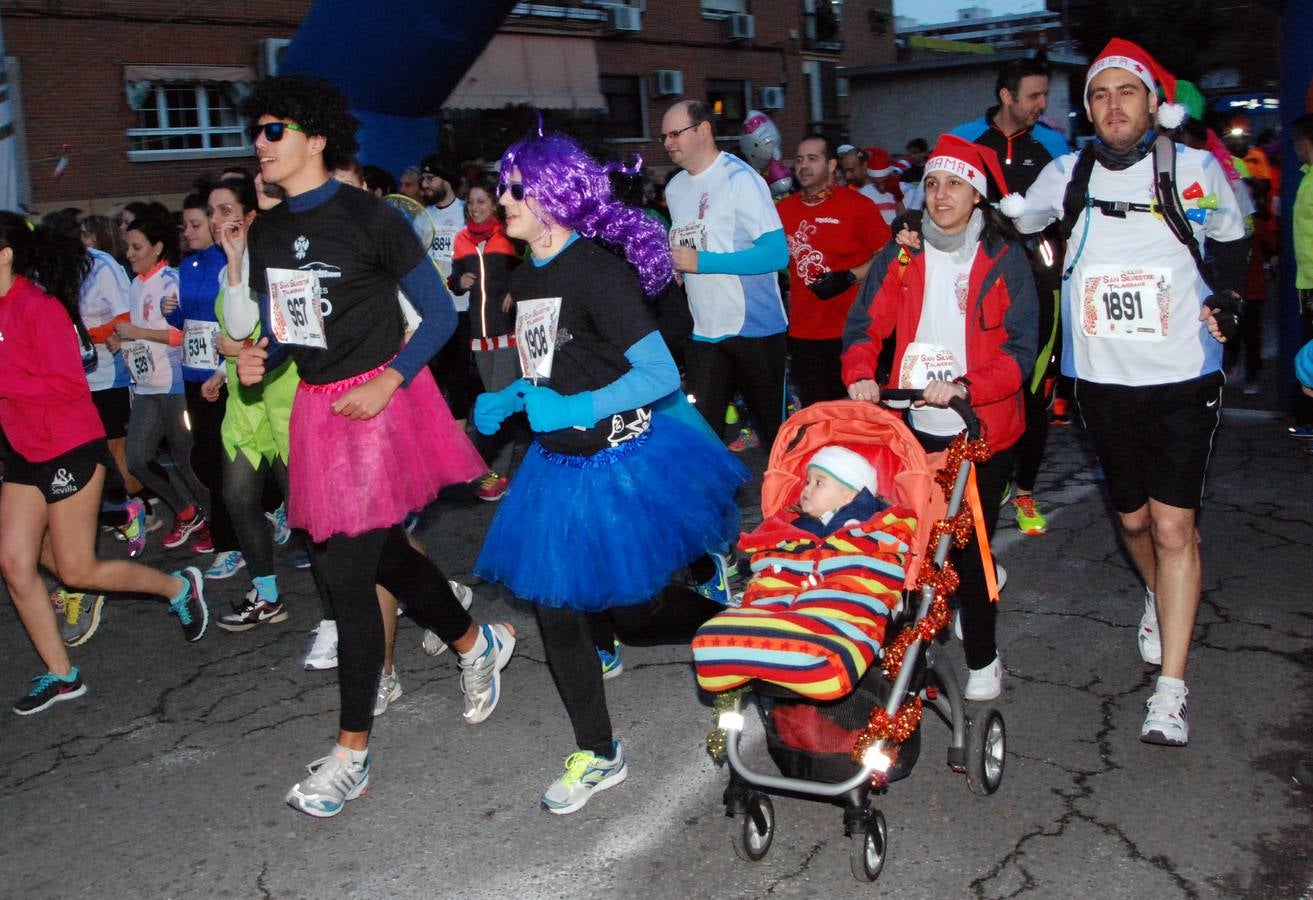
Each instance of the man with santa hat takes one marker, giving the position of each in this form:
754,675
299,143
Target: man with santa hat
1144,319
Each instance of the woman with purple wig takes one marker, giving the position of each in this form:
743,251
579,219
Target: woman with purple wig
610,500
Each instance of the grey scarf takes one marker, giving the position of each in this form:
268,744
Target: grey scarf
961,246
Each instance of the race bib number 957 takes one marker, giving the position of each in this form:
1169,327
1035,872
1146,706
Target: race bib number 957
296,316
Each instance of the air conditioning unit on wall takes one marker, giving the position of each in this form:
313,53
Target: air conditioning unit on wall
623,19
742,27
772,98
667,82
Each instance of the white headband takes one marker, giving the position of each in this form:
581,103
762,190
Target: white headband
969,172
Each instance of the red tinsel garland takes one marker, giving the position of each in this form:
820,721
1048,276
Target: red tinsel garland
945,580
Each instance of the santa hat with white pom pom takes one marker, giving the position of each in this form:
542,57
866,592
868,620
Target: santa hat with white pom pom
1123,54
974,164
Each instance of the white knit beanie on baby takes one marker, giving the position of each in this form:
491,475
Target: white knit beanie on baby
847,466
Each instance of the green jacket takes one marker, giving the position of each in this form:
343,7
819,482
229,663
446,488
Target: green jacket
1302,219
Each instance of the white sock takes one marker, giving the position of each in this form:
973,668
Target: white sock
1171,684
352,756
480,647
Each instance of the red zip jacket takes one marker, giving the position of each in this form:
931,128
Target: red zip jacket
491,262
45,404
1001,337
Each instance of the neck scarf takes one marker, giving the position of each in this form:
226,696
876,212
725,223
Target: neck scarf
1117,160
480,232
961,246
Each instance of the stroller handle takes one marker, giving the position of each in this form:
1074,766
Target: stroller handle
958,405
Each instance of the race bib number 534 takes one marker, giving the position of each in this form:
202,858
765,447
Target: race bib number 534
1128,304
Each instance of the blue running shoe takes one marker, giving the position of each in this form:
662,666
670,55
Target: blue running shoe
612,664
716,588
278,519
225,565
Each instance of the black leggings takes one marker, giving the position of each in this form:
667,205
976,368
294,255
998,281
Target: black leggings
568,640
754,365
1030,447
979,616
243,488
350,568
814,367
207,458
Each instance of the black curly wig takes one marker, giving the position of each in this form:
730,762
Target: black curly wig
314,104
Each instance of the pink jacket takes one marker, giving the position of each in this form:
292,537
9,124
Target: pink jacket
45,404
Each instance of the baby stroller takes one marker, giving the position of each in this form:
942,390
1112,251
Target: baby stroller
815,744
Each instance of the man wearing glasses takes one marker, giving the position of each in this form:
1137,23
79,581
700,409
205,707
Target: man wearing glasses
728,243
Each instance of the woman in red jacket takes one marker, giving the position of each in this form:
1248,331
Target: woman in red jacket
964,316
482,258
55,461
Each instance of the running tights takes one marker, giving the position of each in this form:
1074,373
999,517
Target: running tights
350,567
755,366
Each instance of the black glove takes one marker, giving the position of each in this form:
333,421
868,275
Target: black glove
1227,309
832,284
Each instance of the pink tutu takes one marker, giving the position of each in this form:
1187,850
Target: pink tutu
349,477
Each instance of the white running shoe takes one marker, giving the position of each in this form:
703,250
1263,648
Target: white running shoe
431,643
226,564
585,774
984,684
333,781
1149,638
1165,723
323,652
389,691
480,681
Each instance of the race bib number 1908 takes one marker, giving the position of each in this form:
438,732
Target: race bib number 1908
535,335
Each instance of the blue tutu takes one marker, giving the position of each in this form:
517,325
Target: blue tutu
592,532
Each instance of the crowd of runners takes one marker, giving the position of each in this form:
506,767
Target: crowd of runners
331,352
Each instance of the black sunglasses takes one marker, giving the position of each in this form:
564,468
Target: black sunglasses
272,131
515,187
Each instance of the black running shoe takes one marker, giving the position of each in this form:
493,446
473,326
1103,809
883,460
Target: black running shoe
190,608
49,689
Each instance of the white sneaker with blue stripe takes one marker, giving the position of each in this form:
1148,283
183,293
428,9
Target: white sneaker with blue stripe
278,519
333,781
586,773
480,680
225,565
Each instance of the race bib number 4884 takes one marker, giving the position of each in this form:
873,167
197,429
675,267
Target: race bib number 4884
1128,304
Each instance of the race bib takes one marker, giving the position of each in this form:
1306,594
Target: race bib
690,234
200,345
295,314
141,362
1127,304
444,240
924,363
535,335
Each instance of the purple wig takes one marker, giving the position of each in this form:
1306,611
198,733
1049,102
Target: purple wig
574,191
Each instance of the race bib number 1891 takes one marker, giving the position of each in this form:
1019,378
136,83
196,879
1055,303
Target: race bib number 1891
295,314
1128,304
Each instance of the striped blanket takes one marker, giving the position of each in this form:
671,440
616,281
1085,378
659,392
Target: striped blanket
814,613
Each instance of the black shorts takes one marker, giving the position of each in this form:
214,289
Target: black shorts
114,406
1153,441
61,477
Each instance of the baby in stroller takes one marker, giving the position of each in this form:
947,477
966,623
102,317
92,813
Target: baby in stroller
826,575
848,501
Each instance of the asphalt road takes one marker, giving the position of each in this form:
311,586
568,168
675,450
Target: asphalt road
167,779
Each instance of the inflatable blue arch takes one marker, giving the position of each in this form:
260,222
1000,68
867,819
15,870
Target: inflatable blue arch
396,61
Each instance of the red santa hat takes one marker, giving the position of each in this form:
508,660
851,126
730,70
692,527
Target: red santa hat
1123,54
973,163
878,162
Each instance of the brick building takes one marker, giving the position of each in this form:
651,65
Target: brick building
140,99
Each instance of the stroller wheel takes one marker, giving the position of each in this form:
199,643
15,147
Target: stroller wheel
986,749
866,853
755,829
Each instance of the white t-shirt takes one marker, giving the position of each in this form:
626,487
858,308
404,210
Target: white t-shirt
940,349
104,298
156,368
1130,307
723,209
447,223
886,203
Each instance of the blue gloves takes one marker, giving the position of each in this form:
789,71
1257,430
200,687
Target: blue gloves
550,411
491,409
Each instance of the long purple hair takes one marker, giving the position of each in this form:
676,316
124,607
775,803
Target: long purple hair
574,191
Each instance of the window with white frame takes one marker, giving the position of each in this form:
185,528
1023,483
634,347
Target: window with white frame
185,120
